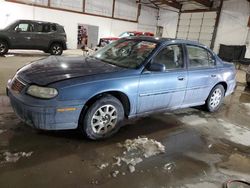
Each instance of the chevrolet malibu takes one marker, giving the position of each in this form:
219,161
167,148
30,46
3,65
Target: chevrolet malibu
128,78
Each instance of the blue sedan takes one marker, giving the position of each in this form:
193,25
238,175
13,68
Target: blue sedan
128,78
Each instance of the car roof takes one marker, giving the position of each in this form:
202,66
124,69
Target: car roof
37,21
167,40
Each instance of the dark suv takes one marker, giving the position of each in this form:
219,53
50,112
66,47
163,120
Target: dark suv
36,35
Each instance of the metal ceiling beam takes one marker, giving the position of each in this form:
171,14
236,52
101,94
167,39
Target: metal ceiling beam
206,3
171,3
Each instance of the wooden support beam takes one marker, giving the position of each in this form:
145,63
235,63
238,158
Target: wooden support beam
171,3
113,9
216,24
83,5
206,3
138,10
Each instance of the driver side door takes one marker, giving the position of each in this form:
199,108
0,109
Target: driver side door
164,90
21,35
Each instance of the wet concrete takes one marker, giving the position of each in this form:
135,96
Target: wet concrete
202,150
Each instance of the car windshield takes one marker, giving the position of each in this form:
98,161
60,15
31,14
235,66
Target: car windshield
126,53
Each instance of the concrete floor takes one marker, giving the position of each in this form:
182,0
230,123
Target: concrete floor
202,149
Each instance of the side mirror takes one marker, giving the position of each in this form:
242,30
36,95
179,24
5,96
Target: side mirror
156,67
18,30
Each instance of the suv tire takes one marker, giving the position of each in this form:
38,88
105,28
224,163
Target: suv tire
56,49
3,47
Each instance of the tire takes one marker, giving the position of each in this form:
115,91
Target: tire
248,84
215,98
4,48
95,125
56,49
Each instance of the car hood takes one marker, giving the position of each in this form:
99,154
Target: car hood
54,69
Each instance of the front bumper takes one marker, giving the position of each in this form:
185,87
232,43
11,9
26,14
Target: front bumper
45,117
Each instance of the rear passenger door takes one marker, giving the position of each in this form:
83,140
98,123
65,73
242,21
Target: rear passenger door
44,33
202,74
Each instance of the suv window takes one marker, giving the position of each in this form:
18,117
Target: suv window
171,57
45,28
25,27
199,57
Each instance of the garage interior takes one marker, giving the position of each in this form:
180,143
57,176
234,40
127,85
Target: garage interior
202,149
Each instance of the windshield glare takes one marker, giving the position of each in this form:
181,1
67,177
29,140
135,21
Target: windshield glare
126,53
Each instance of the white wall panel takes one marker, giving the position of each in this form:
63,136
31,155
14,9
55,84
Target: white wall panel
211,15
198,15
168,20
103,7
182,35
207,29
185,16
208,22
36,2
150,23
75,5
195,22
233,28
183,28
184,22
126,9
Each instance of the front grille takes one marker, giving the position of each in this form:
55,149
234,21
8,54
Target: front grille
17,85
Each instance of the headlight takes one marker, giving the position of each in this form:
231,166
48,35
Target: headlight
42,92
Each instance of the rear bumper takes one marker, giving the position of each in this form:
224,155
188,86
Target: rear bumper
45,118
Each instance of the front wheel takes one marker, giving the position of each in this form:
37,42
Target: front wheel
215,98
56,49
103,118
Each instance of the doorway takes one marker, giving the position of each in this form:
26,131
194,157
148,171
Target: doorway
87,36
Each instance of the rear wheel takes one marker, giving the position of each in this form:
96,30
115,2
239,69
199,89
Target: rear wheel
215,98
56,49
103,118
3,47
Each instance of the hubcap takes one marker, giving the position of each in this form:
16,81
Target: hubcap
104,119
2,47
215,98
56,49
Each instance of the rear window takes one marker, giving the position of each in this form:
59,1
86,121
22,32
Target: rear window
199,57
45,28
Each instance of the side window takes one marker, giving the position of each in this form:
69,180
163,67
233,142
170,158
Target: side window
171,57
44,28
53,27
24,27
199,57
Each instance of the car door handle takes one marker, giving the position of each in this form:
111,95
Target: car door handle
181,78
28,38
213,75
